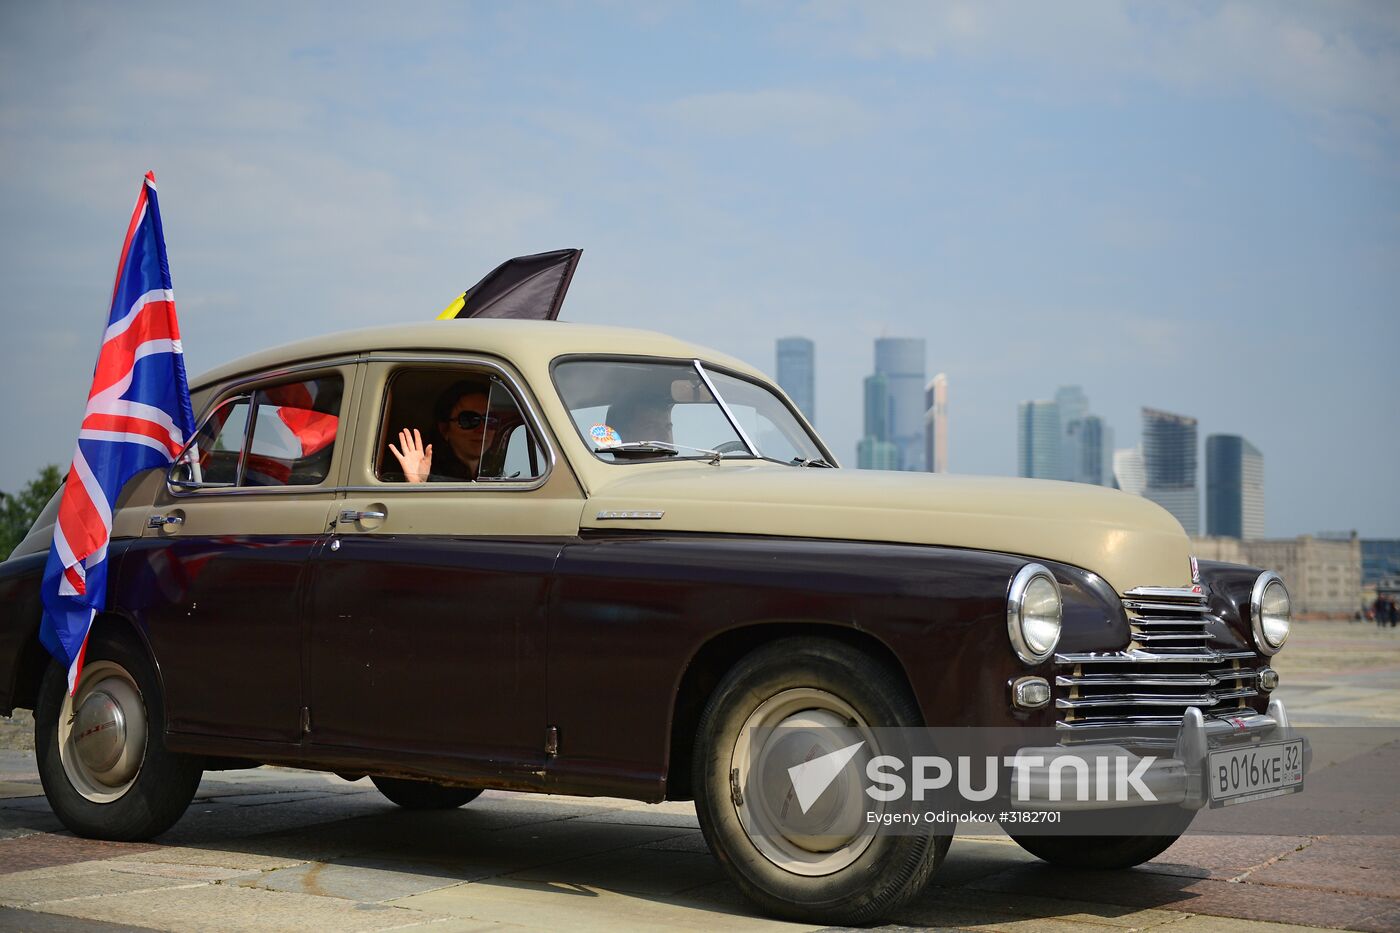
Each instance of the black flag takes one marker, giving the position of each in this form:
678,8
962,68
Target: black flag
523,288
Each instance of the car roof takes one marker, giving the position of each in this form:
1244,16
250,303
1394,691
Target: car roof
528,344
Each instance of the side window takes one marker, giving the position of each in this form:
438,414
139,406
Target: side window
294,428
454,426
212,460
294,432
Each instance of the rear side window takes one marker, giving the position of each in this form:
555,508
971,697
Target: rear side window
281,435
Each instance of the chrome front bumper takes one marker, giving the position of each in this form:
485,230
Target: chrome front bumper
1175,780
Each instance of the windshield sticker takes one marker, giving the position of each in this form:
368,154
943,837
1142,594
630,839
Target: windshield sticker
604,436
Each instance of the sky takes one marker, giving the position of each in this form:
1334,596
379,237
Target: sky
1189,206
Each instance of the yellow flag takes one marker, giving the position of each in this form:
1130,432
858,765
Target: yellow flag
454,309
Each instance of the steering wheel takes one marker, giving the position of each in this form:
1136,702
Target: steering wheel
731,447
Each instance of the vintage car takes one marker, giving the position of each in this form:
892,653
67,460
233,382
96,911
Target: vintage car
628,556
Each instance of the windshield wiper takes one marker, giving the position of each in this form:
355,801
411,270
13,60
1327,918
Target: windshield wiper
663,447
812,462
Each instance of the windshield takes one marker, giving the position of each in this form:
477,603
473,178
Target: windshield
628,410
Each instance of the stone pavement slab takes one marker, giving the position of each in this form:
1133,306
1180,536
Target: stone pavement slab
234,909
32,921
47,850
366,880
586,909
630,871
1136,888
1348,864
88,879
12,789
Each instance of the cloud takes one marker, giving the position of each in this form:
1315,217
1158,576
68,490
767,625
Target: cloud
806,117
1338,58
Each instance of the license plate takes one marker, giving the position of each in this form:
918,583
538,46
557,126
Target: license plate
1254,772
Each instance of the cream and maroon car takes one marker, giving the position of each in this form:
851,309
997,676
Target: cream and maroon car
648,558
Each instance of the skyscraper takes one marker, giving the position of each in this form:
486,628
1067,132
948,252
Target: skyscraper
901,361
797,371
1169,461
1086,441
875,450
1234,487
1087,455
1073,405
936,424
1038,440
1129,474
875,454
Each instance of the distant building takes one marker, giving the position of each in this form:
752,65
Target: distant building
1084,442
1073,406
1234,487
901,361
1038,440
1087,452
797,372
1169,460
875,450
874,454
936,424
1129,474
1323,575
1380,560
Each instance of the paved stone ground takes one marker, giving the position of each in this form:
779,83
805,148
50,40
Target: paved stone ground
278,849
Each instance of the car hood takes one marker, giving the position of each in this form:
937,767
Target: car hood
1128,540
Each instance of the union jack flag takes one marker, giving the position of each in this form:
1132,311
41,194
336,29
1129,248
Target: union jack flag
138,417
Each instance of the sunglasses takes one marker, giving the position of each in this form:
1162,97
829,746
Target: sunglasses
470,420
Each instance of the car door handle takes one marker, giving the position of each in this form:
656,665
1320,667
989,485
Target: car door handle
160,521
348,516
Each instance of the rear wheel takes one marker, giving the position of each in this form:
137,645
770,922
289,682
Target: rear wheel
786,704
101,756
424,795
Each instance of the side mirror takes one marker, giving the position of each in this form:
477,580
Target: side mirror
179,475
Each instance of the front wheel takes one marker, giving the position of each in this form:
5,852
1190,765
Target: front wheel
101,756
811,859
1162,826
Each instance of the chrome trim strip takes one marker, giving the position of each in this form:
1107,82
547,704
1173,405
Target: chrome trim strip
1137,656
724,407
1135,604
1160,621
613,515
1206,700
1206,679
1150,638
1214,725
1186,594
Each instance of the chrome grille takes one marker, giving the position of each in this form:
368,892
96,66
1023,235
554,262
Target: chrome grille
1168,667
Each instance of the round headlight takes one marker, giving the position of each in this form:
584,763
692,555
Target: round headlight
1270,612
1033,613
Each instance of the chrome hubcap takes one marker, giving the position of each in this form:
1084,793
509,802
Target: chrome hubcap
102,732
785,731
99,732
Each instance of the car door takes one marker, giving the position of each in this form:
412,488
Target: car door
217,576
426,609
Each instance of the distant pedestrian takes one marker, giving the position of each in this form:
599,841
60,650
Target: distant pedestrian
1379,612
1393,611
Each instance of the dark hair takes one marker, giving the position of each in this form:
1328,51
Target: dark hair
442,408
